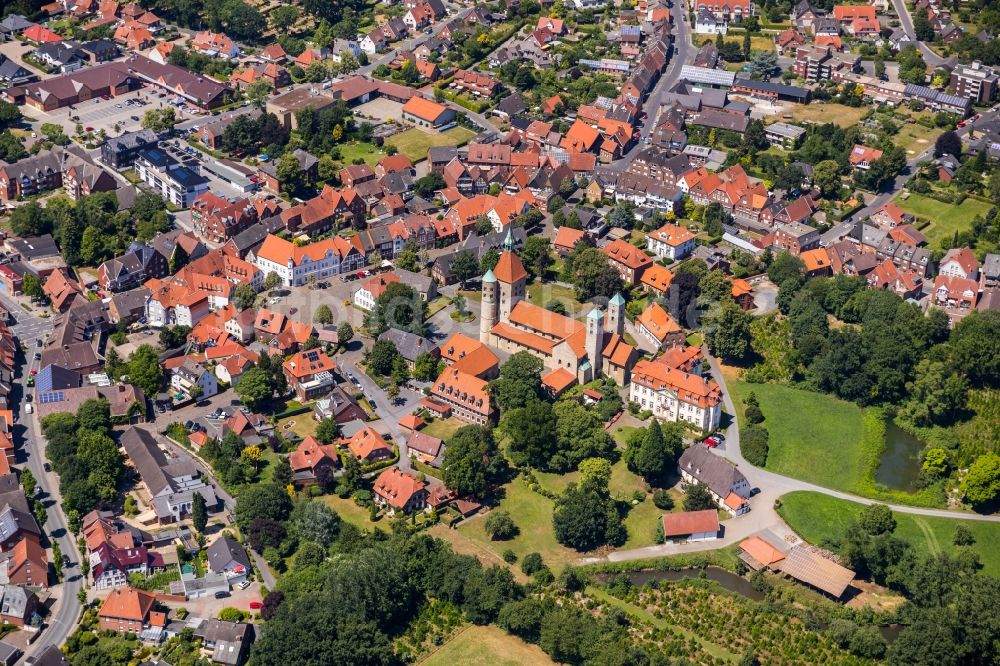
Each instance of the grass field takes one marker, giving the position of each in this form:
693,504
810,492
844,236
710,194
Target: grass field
813,436
945,219
816,517
351,512
542,294
302,425
366,151
443,428
838,114
487,646
415,142
916,138
532,513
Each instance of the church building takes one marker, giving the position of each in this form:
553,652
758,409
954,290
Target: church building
587,350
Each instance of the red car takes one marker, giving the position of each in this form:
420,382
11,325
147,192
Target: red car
34,372
256,605
711,442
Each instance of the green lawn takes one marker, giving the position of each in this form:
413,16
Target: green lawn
302,425
541,294
816,517
915,138
945,219
813,436
415,141
360,149
443,428
487,646
532,513
838,114
351,512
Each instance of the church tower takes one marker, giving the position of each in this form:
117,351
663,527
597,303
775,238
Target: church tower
595,342
616,307
488,315
511,276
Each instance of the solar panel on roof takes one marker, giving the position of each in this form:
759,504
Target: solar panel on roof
51,397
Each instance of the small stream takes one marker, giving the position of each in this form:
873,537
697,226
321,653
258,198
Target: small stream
899,467
726,579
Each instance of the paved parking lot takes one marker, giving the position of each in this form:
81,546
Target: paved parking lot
105,114
381,109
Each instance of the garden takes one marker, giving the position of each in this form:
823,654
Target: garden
415,142
487,646
945,219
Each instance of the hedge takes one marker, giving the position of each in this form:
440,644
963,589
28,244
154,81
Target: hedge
292,412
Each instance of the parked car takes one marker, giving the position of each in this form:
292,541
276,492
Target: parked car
38,356
188,425
221,594
28,397
244,585
711,442
256,605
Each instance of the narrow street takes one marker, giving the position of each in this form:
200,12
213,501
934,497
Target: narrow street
30,454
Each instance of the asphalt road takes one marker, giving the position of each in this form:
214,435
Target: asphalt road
906,22
66,611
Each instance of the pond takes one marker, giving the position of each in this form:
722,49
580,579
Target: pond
726,579
900,464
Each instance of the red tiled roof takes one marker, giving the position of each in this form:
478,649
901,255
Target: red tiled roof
690,522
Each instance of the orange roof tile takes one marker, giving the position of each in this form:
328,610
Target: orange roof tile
509,268
762,551
658,322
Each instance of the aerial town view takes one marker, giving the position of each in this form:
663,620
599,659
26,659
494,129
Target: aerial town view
464,332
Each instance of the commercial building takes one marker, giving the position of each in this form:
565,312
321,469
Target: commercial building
169,178
974,82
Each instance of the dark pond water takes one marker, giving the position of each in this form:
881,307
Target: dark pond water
726,579
900,464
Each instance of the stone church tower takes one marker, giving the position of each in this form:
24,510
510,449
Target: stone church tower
488,314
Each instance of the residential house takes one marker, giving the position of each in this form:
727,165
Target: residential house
176,183
298,264
658,327
410,346
126,610
466,394
194,380
690,526
399,491
628,260
422,111
312,461
226,642
862,157
120,151
368,446
338,406
959,262
727,484
215,44
309,374
671,241
227,556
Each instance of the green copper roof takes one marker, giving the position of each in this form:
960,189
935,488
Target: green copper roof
595,314
489,277
617,300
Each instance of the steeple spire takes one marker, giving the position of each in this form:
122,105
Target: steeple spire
508,242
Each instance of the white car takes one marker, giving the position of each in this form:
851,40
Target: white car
244,585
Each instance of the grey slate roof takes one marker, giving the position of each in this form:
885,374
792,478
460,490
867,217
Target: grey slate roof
718,474
226,550
408,344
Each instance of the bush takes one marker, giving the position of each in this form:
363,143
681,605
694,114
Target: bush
531,563
753,414
231,614
753,444
509,556
662,499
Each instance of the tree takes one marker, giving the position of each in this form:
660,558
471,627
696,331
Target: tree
963,536
519,381
28,482
244,297
314,521
351,478
923,29
262,500
981,485
948,144
499,526
323,315
399,306
381,357
199,513
464,267
591,274
535,256
727,331
425,367
877,519
255,387
32,286
272,280
697,497
257,92
469,459
785,266
746,45
283,17
762,63
789,179
289,172
585,517
345,333
653,453
826,176
937,393
145,371
532,433
327,431
160,120
595,470
975,348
